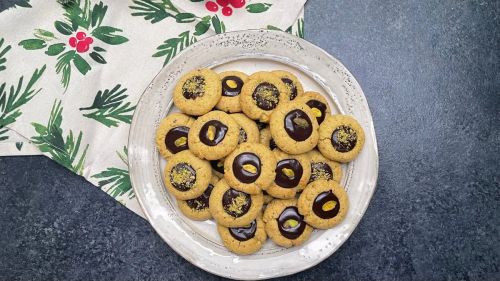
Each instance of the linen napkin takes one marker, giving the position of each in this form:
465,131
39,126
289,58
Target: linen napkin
71,72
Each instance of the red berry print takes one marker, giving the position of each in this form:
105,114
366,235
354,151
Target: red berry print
82,47
227,11
89,40
81,35
211,6
223,3
237,3
72,41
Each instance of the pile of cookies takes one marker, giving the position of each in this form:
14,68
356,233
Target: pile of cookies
257,154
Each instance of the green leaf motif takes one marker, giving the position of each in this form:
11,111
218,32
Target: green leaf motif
116,181
258,7
23,3
55,49
153,11
219,26
98,13
64,150
201,28
185,17
19,145
300,28
11,99
109,107
64,65
45,35
172,46
97,58
99,49
3,52
107,35
33,44
81,64
63,28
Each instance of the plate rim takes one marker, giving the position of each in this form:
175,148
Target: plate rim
303,266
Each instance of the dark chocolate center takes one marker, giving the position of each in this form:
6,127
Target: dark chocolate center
291,86
319,109
194,87
288,173
183,176
244,233
290,223
243,136
298,125
201,202
213,132
326,205
218,165
266,95
231,86
344,138
236,203
176,139
246,167
320,171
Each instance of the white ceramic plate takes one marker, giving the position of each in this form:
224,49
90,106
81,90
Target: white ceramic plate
249,51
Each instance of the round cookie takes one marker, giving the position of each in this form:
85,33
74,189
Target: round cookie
244,240
250,168
323,168
197,92
261,94
233,208
213,135
291,81
187,176
318,104
249,132
171,135
266,138
294,128
284,224
323,204
232,82
292,174
197,208
341,138
217,167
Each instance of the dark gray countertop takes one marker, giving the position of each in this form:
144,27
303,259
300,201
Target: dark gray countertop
431,73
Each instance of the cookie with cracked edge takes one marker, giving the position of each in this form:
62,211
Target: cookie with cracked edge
197,208
261,94
291,82
266,138
250,168
249,132
233,208
244,240
284,224
341,138
232,83
172,134
294,128
323,168
213,135
323,204
186,176
197,92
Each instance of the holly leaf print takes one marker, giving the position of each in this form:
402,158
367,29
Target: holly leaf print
23,3
116,181
19,145
64,65
172,46
109,107
3,52
219,26
258,7
107,35
11,100
64,150
153,11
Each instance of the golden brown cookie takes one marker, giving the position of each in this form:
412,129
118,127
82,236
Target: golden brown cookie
323,204
292,174
197,208
323,168
284,224
187,176
172,134
266,138
197,92
261,94
233,208
232,84
244,240
291,81
249,132
294,128
213,135
250,168
341,138
318,104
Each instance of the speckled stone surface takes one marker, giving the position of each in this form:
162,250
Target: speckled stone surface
431,74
